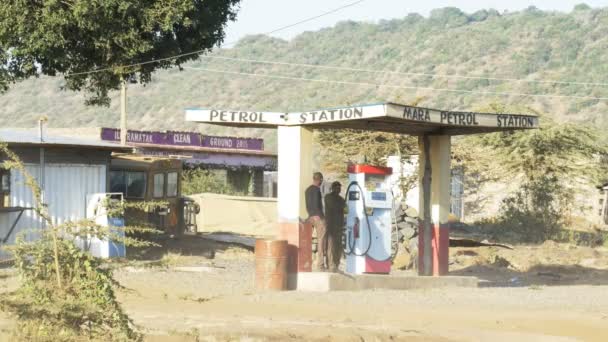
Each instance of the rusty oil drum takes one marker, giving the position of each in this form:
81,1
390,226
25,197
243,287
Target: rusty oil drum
271,264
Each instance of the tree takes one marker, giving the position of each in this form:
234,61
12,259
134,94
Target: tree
582,7
340,147
74,37
551,164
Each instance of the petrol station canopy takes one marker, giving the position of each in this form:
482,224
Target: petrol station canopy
385,117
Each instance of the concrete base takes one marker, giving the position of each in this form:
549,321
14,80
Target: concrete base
323,282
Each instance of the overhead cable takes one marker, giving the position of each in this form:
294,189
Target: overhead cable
331,67
293,78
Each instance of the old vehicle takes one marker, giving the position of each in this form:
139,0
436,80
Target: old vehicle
153,180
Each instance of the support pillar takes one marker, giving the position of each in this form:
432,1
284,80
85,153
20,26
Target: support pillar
434,241
295,175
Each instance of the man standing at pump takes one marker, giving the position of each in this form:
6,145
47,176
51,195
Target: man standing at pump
314,207
334,216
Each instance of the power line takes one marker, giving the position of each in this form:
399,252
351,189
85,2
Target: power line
202,51
292,78
312,18
331,67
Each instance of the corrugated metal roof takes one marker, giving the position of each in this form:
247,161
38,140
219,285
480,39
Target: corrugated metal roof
203,149
30,137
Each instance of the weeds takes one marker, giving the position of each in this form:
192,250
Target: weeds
170,259
65,293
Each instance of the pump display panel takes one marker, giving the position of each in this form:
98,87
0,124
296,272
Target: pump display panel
378,196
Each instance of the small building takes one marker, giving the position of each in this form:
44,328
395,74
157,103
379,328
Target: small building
67,170
241,162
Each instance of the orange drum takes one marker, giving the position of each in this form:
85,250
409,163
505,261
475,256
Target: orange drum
271,264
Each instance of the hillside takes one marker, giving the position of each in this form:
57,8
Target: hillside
531,45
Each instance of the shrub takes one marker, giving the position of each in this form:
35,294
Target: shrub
65,294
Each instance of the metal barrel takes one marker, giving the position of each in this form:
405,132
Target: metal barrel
271,264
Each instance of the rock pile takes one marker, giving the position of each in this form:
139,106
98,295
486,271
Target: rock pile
407,237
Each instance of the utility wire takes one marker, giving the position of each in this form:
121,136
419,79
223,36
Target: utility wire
204,50
311,18
331,67
292,78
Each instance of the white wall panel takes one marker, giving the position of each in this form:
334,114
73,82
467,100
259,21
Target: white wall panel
66,188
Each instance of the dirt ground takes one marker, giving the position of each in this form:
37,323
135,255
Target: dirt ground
194,289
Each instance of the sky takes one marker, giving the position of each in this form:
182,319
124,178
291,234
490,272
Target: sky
261,16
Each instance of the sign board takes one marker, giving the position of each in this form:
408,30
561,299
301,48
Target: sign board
336,114
233,143
390,117
155,138
220,116
192,139
454,118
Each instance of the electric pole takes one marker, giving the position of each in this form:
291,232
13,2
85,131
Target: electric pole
123,111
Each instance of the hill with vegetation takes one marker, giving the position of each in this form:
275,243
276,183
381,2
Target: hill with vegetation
532,46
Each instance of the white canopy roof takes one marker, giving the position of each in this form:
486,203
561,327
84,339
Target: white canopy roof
386,117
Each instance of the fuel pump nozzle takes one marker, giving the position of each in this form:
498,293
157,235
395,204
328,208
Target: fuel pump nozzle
356,228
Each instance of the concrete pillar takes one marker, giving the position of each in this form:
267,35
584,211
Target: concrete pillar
294,176
295,171
434,254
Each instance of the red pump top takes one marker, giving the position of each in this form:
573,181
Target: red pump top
369,169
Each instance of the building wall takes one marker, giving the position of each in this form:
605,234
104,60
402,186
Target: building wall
66,188
63,155
255,216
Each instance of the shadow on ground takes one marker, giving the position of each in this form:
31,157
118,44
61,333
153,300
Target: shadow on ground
538,275
185,245
497,233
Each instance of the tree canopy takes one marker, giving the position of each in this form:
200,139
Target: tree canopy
72,37
555,169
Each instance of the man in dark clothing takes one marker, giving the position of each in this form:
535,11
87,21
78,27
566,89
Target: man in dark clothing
334,216
314,206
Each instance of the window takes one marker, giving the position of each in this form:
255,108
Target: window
136,184
5,188
132,184
172,184
159,185
5,180
118,183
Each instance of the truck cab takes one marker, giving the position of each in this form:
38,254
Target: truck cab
142,178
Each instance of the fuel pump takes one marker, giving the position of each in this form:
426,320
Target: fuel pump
369,221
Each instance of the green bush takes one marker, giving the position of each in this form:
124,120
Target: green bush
83,306
197,181
537,211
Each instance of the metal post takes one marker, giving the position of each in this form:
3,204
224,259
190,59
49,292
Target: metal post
42,162
42,175
123,111
427,225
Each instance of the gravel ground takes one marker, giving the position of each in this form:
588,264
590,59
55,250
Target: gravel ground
220,303
184,294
